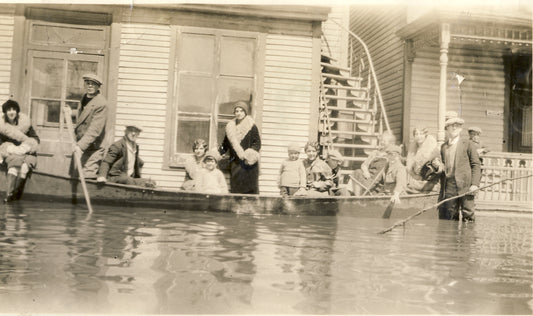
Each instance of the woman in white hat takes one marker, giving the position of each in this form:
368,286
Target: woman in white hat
242,142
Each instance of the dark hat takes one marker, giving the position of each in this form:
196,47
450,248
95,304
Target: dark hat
243,105
10,104
93,78
135,125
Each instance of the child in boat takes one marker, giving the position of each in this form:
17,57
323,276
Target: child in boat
394,180
292,176
334,161
193,164
319,174
210,179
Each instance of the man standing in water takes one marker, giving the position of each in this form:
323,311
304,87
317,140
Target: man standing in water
90,126
462,172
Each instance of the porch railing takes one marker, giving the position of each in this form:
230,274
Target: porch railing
497,166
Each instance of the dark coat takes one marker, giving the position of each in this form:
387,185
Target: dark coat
467,166
90,126
115,162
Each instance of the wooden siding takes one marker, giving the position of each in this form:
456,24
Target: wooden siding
287,103
335,39
483,90
376,26
142,95
7,22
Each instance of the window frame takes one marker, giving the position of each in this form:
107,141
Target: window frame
173,159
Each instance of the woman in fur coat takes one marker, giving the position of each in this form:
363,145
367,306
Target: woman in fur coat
243,143
422,150
18,148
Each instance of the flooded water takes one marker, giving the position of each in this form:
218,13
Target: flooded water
56,259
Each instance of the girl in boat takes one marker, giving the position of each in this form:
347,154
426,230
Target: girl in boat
242,142
319,174
210,179
194,164
18,148
423,159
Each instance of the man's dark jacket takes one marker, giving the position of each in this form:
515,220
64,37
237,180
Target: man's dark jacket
467,166
115,162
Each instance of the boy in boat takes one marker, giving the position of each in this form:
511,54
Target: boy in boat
122,163
394,180
292,177
90,126
334,161
318,173
365,179
462,172
209,178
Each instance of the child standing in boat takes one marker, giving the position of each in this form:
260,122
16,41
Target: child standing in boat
292,176
210,179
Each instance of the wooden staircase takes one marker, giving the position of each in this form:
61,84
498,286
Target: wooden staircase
348,121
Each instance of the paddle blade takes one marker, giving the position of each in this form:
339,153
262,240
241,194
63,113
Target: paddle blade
388,210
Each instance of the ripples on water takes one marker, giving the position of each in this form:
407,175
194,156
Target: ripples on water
55,259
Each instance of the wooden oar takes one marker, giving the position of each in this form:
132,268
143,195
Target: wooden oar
388,210
77,160
403,221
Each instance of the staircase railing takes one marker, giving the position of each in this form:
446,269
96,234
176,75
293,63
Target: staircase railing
372,71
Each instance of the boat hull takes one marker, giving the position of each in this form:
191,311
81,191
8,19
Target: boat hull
53,188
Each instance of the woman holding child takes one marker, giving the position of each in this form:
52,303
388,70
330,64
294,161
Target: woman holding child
422,161
319,174
243,143
18,147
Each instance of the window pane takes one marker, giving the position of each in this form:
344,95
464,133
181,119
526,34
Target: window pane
221,131
526,127
47,78
48,110
188,131
71,36
197,52
76,69
74,106
237,56
231,90
195,94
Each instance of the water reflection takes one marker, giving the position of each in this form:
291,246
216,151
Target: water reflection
56,259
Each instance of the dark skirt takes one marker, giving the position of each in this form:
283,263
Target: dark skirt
244,178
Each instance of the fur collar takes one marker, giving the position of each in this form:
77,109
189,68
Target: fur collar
236,133
417,156
16,132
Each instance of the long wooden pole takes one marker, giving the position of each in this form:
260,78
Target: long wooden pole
405,220
77,159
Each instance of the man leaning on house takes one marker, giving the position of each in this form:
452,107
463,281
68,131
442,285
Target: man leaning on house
90,126
461,174
122,163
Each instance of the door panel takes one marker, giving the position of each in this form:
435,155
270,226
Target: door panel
55,80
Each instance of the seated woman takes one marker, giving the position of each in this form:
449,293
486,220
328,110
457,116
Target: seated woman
365,179
18,148
423,159
319,174
193,164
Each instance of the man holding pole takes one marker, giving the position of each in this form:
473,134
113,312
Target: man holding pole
90,126
462,171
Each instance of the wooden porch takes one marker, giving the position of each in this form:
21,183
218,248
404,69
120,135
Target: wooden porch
510,195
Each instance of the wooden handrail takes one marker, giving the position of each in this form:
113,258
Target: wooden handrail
372,71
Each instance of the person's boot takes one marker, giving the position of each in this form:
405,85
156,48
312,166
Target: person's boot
10,188
19,188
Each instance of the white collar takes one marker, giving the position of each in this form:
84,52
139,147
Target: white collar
453,141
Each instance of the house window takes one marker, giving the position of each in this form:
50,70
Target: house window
215,69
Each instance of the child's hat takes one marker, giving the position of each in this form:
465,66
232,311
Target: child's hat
293,147
335,155
213,154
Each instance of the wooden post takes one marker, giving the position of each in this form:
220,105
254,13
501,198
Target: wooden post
444,44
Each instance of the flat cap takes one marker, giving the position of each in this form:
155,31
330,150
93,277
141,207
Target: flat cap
474,129
335,154
293,147
135,125
92,77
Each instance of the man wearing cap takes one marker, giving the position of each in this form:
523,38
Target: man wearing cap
462,172
122,163
474,133
334,161
90,126
394,180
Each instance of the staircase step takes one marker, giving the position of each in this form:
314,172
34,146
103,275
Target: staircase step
342,78
355,110
334,67
365,134
333,87
350,121
336,97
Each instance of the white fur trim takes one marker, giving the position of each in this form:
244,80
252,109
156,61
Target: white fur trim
236,133
251,156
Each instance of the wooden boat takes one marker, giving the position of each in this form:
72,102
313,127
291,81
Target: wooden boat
43,186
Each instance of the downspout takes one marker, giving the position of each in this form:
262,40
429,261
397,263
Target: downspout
444,40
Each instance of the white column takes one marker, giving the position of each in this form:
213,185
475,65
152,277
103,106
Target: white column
444,43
